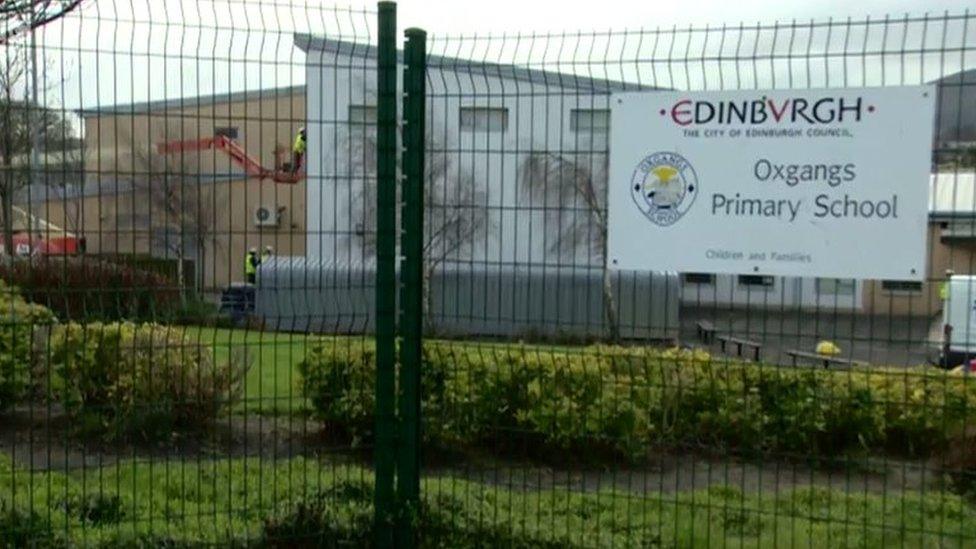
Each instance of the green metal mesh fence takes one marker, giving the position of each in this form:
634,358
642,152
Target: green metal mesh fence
161,385
147,147
615,408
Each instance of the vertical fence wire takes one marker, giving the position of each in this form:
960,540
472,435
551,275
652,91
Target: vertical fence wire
411,287
386,292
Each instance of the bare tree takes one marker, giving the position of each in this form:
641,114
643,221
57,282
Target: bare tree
178,208
14,134
455,210
26,126
455,214
18,17
573,190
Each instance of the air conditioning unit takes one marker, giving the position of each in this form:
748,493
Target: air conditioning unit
268,216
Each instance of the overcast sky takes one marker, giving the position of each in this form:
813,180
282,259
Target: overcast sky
120,51
466,16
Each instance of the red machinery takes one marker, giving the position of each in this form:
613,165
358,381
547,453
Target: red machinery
40,244
36,236
252,167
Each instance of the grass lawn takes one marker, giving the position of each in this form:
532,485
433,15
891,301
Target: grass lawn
272,382
173,503
241,501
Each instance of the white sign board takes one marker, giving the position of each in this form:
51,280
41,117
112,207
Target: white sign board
828,183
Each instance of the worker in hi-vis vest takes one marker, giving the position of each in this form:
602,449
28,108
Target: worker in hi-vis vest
944,287
251,263
298,150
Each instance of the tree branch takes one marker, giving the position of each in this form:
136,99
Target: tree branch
32,14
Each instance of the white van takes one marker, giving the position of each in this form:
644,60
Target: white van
959,322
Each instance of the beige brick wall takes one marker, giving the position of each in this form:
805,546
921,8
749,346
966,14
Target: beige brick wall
263,126
123,222
108,226
960,256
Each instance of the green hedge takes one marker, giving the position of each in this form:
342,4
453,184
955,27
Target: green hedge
162,266
85,288
627,400
23,326
145,381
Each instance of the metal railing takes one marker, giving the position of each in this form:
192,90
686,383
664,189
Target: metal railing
427,347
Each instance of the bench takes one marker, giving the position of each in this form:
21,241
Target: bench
827,361
706,331
740,344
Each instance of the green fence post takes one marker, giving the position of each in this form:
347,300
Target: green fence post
411,288
386,159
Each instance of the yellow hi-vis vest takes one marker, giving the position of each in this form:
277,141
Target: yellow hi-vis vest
944,290
250,265
299,146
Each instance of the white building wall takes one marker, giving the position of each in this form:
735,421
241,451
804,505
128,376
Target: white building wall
538,123
784,293
519,231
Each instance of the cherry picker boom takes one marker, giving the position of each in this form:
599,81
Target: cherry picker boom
231,148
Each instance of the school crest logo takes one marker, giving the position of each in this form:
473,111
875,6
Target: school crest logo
664,186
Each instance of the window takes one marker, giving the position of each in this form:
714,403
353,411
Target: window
901,286
835,286
756,281
492,119
362,115
226,131
699,278
589,120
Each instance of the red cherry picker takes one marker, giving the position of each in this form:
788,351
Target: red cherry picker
233,149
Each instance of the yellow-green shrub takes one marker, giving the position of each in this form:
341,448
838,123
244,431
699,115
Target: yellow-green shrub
630,399
340,381
21,323
340,377
137,380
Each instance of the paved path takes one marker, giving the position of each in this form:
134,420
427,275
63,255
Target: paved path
892,341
